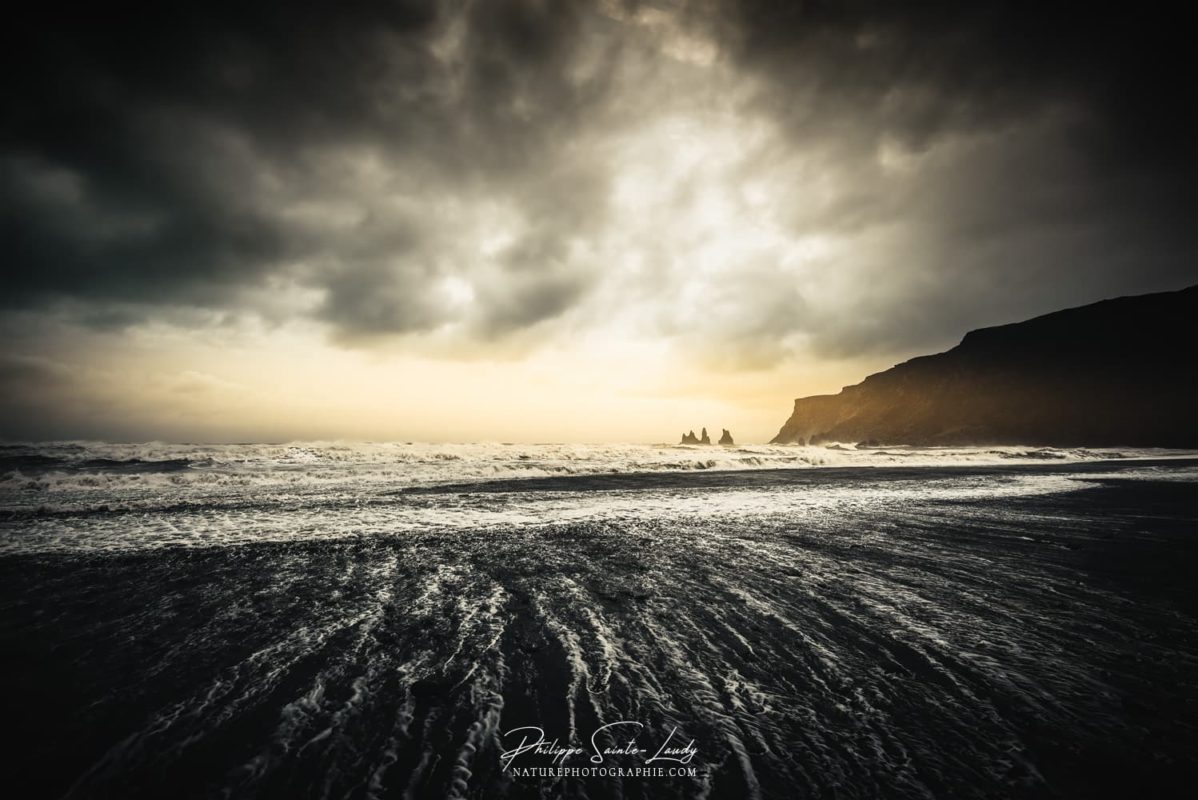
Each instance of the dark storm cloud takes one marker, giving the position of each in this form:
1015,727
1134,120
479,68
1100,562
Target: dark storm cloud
918,69
152,153
169,156
1075,169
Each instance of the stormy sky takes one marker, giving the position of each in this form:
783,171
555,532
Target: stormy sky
548,221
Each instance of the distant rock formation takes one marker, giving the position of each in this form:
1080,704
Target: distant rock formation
1114,373
726,438
690,438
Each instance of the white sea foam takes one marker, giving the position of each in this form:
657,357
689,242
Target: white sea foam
95,465
95,496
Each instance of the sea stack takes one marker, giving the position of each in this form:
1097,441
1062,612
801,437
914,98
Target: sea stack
704,439
726,438
689,438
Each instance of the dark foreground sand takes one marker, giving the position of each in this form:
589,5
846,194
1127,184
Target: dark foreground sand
1020,645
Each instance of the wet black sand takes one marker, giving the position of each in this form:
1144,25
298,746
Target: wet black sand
1021,646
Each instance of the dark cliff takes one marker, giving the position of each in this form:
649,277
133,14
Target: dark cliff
1120,373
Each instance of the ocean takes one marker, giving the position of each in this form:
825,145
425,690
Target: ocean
312,620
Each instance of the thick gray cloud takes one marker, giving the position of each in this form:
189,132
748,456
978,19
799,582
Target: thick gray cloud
176,156
1040,155
408,167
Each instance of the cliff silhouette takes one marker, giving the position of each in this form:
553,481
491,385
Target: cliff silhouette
1119,372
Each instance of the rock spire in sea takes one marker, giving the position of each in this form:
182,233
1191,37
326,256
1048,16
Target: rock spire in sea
690,438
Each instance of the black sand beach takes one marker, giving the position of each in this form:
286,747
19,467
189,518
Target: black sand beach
899,642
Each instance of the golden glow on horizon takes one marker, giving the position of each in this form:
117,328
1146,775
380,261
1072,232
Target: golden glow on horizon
275,385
